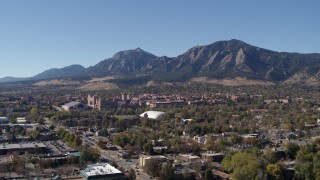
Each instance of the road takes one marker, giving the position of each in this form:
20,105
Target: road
111,155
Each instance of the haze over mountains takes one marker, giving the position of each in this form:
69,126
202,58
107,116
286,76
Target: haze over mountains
222,59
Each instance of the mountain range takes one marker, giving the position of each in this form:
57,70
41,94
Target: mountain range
222,59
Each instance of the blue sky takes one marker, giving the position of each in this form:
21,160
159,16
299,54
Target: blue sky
36,35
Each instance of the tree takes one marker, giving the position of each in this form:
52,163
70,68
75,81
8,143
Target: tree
148,148
13,121
73,160
292,149
51,127
132,174
88,154
66,137
71,138
27,157
39,120
34,111
167,172
220,144
308,162
270,156
236,139
210,145
120,139
34,160
17,163
132,149
208,175
114,164
61,133
45,163
242,165
104,133
152,167
304,171
101,144
3,170
76,142
274,171
66,170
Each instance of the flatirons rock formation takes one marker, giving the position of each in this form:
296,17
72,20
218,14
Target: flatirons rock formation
220,60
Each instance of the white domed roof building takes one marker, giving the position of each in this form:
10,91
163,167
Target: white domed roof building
152,114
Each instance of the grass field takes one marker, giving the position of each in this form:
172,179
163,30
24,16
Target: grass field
121,117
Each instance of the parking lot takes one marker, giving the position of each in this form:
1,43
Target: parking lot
57,147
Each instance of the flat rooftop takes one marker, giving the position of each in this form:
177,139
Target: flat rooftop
5,159
100,169
189,156
213,154
155,157
22,146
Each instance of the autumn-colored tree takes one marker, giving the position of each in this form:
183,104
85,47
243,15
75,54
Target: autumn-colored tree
291,149
88,154
208,175
152,167
274,171
132,174
167,172
101,144
242,165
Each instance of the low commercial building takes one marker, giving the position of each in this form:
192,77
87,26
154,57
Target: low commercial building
102,171
123,154
220,175
5,161
168,104
160,149
212,157
4,120
21,148
189,158
73,105
245,136
21,120
184,170
48,136
143,160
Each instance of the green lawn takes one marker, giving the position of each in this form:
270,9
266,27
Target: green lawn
121,117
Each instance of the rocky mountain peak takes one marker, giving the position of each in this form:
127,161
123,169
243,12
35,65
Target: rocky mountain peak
222,59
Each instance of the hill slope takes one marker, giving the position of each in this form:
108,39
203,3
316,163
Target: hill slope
122,63
69,71
223,59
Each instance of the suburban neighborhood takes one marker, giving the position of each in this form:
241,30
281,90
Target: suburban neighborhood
154,135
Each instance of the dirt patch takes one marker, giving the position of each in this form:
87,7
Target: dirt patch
102,79
238,81
98,86
57,82
304,78
152,83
